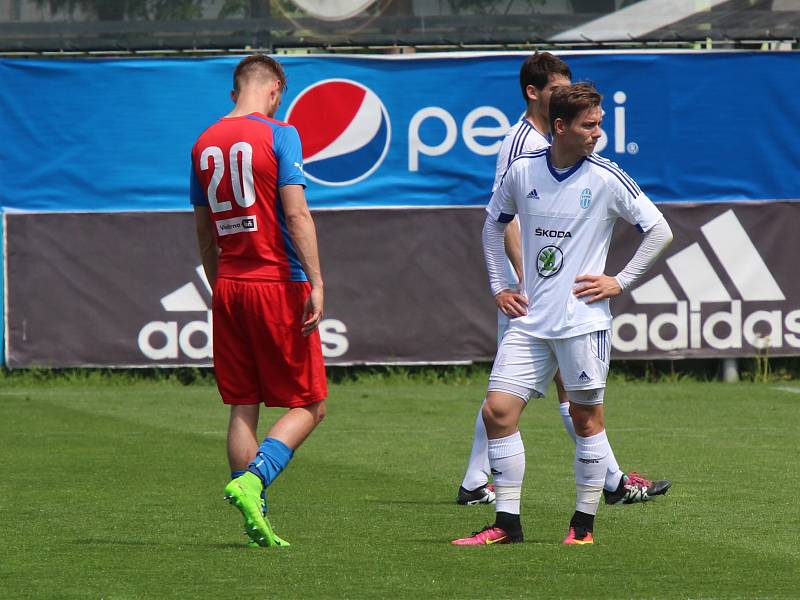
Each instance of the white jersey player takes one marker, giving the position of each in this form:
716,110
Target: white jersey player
566,219
567,199
539,75
520,139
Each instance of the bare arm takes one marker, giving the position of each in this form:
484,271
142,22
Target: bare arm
513,244
304,237
209,252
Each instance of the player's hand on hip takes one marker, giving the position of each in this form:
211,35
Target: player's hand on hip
596,287
513,304
312,313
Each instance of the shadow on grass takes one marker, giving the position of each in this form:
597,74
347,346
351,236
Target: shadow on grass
413,502
105,542
88,542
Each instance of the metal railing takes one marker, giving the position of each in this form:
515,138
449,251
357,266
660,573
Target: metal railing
121,26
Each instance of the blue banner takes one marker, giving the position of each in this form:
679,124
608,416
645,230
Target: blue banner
115,134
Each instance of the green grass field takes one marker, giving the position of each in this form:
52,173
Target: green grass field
114,490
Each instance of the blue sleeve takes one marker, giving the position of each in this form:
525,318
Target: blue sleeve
289,153
197,195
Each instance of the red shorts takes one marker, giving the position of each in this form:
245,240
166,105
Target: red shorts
260,354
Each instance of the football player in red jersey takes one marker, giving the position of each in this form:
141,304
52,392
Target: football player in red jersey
259,250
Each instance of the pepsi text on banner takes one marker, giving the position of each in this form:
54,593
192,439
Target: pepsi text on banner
488,123
422,125
346,130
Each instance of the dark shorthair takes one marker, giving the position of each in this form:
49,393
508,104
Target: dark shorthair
537,68
567,102
258,64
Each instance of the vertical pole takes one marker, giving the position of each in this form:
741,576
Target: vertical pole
730,370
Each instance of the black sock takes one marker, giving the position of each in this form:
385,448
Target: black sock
582,520
509,523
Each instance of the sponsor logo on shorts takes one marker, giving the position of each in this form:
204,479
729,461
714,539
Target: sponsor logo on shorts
237,225
549,261
584,377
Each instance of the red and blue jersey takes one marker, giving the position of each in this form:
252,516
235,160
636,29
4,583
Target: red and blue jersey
238,166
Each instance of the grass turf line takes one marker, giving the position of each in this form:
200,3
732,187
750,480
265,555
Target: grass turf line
116,492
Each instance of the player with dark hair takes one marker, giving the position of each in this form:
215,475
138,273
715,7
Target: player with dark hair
539,75
259,250
579,195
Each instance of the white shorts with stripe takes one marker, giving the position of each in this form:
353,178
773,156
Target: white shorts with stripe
524,361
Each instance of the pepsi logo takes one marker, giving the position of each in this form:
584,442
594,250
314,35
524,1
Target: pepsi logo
344,128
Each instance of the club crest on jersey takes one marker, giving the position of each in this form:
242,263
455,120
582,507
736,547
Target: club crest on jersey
549,261
344,128
586,198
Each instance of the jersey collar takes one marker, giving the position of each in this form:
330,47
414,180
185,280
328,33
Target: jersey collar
562,176
548,138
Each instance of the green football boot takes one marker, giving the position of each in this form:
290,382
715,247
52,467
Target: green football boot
245,494
280,542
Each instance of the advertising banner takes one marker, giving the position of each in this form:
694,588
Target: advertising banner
393,131
402,286
104,135
127,289
726,286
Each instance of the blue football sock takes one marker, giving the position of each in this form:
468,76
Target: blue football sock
235,474
272,457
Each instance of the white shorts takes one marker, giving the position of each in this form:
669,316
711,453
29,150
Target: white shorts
502,326
527,362
503,322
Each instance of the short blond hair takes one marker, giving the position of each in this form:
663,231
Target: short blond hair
257,64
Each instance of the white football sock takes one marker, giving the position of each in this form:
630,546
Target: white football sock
477,474
591,464
613,474
563,408
507,460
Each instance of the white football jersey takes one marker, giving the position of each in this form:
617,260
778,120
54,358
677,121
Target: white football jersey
521,138
566,221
